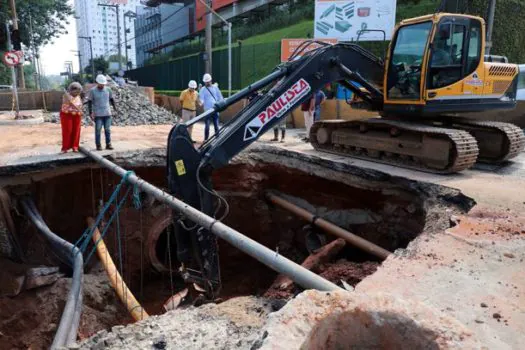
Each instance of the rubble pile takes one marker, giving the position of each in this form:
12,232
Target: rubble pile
133,108
233,324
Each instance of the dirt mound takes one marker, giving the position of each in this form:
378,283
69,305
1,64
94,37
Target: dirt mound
30,320
349,271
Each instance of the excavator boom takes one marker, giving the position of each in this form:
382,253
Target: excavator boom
434,70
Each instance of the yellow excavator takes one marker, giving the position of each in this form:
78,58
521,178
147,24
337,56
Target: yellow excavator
434,72
434,83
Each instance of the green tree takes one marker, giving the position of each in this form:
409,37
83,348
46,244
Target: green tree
49,19
115,58
101,65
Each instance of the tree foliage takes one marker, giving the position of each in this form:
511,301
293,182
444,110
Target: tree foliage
49,19
115,58
101,65
508,37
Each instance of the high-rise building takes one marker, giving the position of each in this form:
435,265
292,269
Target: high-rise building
159,25
100,23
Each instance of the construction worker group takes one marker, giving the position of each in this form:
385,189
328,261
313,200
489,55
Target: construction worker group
209,94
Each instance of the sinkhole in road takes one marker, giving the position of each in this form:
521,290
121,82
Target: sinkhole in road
388,212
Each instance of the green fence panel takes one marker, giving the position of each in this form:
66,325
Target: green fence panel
249,63
258,60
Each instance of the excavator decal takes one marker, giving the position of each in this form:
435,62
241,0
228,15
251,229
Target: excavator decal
277,109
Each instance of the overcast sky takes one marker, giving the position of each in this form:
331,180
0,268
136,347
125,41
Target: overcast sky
55,54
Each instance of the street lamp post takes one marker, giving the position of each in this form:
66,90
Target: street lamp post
129,14
116,8
88,38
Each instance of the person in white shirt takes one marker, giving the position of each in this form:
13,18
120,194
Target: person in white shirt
209,95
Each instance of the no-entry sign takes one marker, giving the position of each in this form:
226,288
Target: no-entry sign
11,58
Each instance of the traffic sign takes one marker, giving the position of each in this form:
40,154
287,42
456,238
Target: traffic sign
11,58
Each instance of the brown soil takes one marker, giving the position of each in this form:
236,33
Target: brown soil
485,223
30,320
349,271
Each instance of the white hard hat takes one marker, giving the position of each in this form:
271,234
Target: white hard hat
192,84
101,79
206,78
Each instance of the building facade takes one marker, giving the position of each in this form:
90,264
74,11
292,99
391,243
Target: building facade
147,32
156,26
100,23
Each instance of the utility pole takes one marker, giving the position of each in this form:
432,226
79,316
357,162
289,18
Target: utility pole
19,67
229,25
77,53
126,41
490,26
208,39
13,75
69,69
88,38
33,48
116,8
128,14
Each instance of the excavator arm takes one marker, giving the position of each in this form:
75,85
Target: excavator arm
190,169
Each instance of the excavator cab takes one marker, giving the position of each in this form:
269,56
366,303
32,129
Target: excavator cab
436,66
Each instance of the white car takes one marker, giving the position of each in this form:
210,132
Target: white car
520,96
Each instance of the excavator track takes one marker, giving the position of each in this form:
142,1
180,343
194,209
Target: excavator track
415,146
497,141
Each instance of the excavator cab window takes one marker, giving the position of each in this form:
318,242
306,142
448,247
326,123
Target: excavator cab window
456,51
404,77
474,46
446,63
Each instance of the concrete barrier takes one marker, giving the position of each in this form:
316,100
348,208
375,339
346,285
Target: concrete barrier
31,100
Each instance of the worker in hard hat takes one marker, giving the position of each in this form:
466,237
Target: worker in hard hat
99,99
189,100
209,95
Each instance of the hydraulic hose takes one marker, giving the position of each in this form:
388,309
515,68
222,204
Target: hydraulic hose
70,319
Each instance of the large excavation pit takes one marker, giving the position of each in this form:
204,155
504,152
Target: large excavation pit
390,212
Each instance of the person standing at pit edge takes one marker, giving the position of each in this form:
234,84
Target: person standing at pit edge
210,94
99,99
70,117
320,97
308,107
189,99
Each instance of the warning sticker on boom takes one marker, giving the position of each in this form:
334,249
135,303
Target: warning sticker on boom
277,109
181,169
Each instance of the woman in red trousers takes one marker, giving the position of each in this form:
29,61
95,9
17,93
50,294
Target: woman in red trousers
71,117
